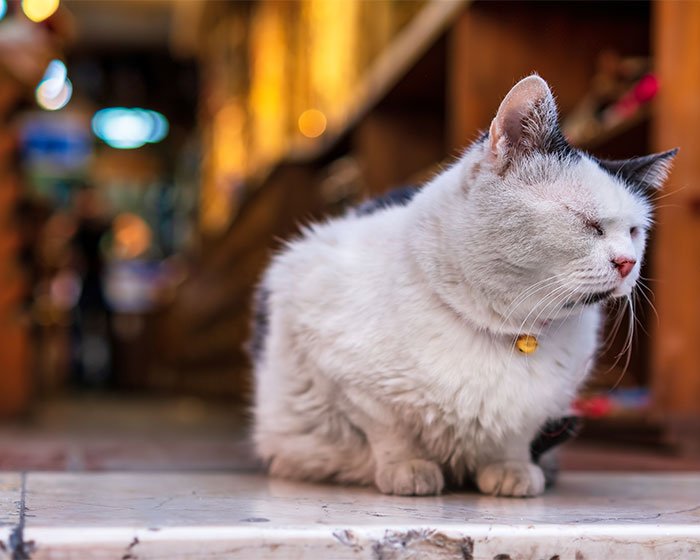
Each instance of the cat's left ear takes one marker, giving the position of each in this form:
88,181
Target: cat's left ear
646,173
526,122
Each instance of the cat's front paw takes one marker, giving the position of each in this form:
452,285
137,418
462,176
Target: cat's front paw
416,477
511,478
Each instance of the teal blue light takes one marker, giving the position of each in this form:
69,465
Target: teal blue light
129,128
3,8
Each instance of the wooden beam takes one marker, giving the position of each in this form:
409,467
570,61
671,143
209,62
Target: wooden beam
676,259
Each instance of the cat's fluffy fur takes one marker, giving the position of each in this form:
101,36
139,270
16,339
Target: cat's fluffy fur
388,353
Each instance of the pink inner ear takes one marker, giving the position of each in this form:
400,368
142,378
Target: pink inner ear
514,108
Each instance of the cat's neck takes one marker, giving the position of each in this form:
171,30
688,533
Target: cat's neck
430,239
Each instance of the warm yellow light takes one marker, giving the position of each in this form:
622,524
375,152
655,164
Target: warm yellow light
132,236
312,123
39,10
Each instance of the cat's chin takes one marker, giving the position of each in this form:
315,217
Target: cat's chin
598,297
591,299
621,291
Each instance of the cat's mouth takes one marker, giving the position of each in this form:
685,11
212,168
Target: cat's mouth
589,299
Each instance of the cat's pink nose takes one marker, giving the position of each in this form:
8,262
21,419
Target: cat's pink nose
624,265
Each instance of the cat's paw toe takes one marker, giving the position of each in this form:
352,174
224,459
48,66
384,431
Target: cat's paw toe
410,478
511,478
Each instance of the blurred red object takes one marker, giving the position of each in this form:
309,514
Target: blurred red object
593,407
643,91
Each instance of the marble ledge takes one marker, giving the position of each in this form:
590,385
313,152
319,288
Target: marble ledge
10,508
225,515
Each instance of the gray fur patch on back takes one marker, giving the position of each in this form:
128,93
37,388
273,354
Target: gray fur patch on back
261,323
396,197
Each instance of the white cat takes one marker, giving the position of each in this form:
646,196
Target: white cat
386,349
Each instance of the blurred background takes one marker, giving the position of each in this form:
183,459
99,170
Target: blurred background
154,152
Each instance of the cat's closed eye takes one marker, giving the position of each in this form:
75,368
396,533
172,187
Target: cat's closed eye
594,226
634,231
591,224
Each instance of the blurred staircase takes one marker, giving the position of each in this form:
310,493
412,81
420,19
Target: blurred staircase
201,335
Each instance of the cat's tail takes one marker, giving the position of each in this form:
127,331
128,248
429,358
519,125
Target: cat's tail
552,434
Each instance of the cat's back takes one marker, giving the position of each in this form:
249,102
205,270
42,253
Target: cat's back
343,259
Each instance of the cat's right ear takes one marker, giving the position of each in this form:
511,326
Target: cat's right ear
526,121
646,173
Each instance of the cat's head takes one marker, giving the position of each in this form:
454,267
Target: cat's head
550,228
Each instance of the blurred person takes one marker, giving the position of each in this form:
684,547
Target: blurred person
92,344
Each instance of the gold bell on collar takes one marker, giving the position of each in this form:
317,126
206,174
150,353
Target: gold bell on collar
526,343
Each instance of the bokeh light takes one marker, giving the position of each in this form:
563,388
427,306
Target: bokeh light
123,128
55,89
312,123
50,99
39,10
3,8
132,236
56,102
54,78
